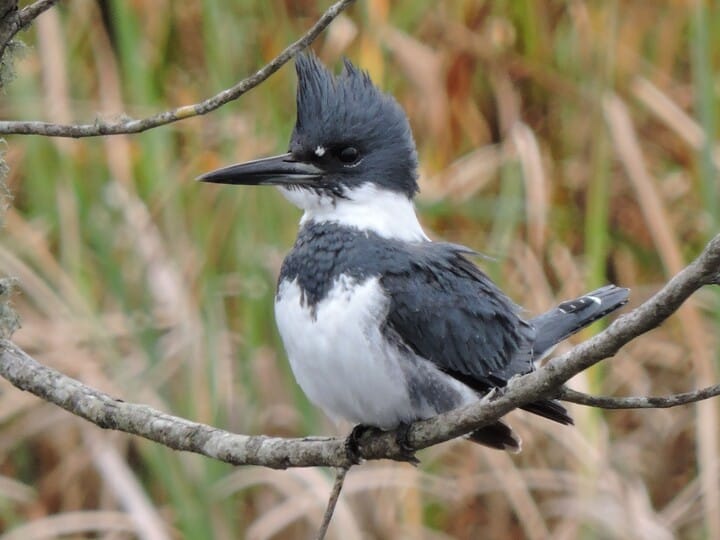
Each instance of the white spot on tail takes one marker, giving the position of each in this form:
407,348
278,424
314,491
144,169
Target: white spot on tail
594,299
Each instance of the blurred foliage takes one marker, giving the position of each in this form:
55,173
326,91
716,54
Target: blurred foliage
574,142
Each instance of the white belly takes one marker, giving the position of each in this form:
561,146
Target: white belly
340,358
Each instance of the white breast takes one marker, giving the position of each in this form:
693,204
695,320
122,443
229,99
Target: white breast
339,356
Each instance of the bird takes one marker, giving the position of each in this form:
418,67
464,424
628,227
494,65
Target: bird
381,325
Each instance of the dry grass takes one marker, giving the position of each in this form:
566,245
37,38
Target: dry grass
573,142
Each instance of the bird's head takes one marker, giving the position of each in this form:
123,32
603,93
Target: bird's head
351,142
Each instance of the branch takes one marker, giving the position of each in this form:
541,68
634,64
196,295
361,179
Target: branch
545,381
181,434
12,20
131,125
29,13
638,402
332,502
178,433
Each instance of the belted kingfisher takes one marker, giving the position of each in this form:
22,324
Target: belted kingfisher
383,326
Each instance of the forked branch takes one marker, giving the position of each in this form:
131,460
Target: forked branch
639,402
13,20
181,434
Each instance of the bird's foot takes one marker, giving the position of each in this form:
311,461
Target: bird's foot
402,440
352,442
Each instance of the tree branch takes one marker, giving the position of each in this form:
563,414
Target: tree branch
29,13
181,434
131,125
545,381
178,433
12,20
638,402
332,501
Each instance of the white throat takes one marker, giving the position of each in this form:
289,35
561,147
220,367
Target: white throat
366,207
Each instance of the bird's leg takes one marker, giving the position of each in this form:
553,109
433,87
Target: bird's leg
352,442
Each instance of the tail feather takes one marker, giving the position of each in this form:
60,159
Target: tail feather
563,321
498,435
550,409
571,316
551,328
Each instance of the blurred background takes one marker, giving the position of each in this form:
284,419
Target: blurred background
571,141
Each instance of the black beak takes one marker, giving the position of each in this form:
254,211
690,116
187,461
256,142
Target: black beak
279,170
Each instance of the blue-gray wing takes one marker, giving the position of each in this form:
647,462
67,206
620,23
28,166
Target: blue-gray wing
449,312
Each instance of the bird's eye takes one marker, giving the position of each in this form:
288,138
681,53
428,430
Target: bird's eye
349,154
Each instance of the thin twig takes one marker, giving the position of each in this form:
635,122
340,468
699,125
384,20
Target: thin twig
29,13
130,125
332,501
638,402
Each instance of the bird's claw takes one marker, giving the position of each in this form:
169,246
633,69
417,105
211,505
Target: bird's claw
493,394
352,442
406,449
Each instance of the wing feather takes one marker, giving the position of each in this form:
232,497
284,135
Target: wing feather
449,312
